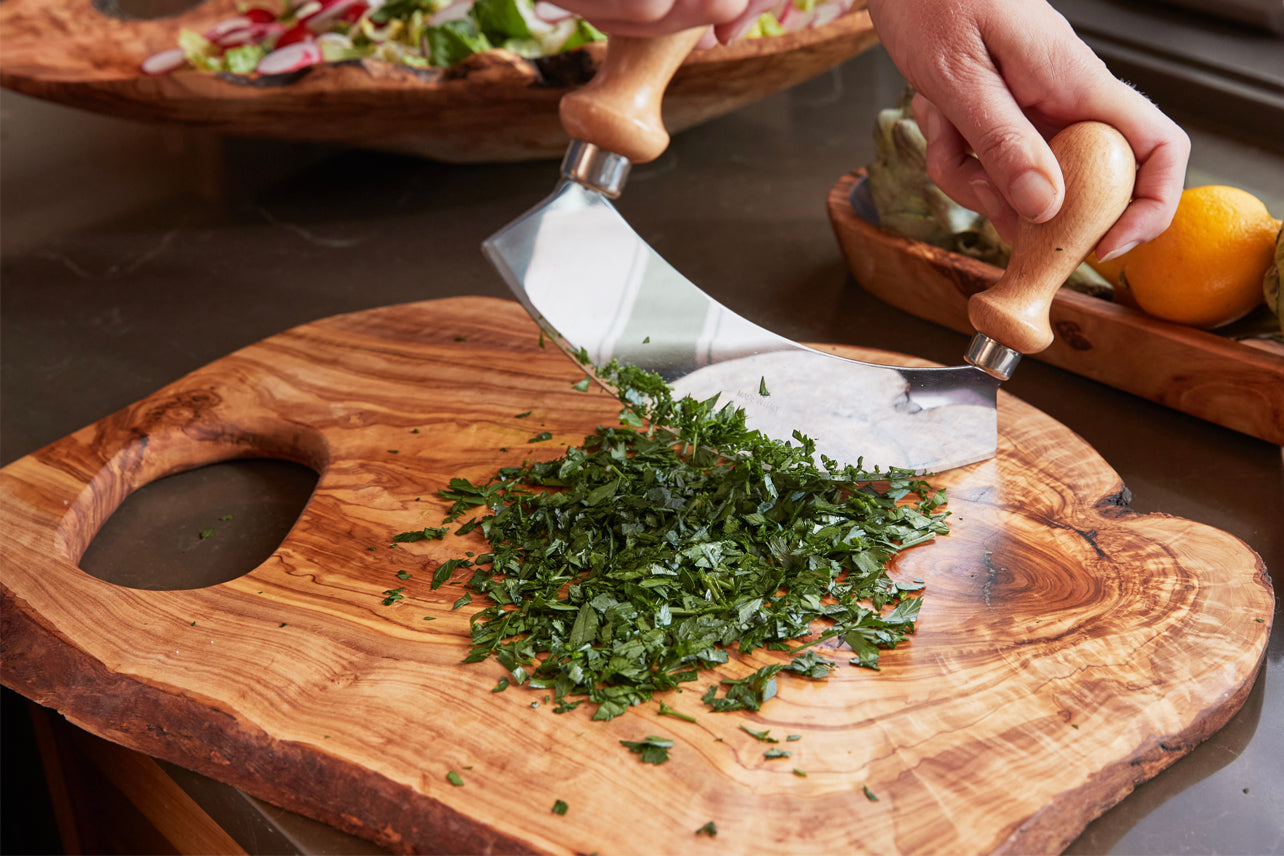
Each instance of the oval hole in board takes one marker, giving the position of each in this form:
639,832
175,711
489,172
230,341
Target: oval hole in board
200,527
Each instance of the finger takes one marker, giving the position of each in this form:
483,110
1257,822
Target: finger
1015,157
708,40
953,168
1162,150
968,87
730,32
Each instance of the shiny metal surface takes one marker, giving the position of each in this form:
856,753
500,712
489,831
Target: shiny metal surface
992,357
599,290
586,164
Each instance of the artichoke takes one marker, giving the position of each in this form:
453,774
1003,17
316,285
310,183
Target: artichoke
1271,282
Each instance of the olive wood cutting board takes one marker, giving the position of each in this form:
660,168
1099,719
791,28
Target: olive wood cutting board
1067,649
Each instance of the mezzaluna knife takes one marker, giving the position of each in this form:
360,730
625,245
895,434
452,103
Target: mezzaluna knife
596,288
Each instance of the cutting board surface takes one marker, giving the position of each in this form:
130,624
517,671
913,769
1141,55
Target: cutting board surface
1067,648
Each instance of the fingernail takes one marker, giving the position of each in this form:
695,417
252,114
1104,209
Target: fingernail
1033,196
991,202
1117,252
931,124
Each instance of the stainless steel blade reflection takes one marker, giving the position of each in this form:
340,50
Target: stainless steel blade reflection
595,286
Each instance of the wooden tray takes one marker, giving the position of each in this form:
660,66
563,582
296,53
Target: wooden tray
1068,648
1230,383
494,106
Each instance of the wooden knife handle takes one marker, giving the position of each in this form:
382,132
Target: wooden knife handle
1099,171
619,109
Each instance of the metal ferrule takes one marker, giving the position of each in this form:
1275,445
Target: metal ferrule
595,168
992,357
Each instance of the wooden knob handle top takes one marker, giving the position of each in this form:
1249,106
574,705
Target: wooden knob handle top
619,109
1099,170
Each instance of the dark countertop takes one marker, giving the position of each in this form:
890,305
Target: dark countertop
132,255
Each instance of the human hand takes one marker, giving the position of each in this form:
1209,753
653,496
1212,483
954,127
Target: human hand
994,79
729,19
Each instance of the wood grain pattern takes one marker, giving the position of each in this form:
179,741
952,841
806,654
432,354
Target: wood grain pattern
1233,384
492,107
1068,648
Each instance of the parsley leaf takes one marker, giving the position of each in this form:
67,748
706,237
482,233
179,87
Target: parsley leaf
762,736
654,750
665,710
425,534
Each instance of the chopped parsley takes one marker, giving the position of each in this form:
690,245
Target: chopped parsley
428,533
665,710
654,750
643,557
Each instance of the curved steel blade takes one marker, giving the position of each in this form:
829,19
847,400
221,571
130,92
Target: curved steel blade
593,284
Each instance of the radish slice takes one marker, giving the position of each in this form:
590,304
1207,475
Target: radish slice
220,30
793,18
322,18
164,62
290,58
456,11
297,33
259,15
355,13
549,13
254,34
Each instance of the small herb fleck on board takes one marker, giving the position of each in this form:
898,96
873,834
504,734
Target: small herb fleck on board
653,750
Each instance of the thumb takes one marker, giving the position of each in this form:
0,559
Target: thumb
1017,161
